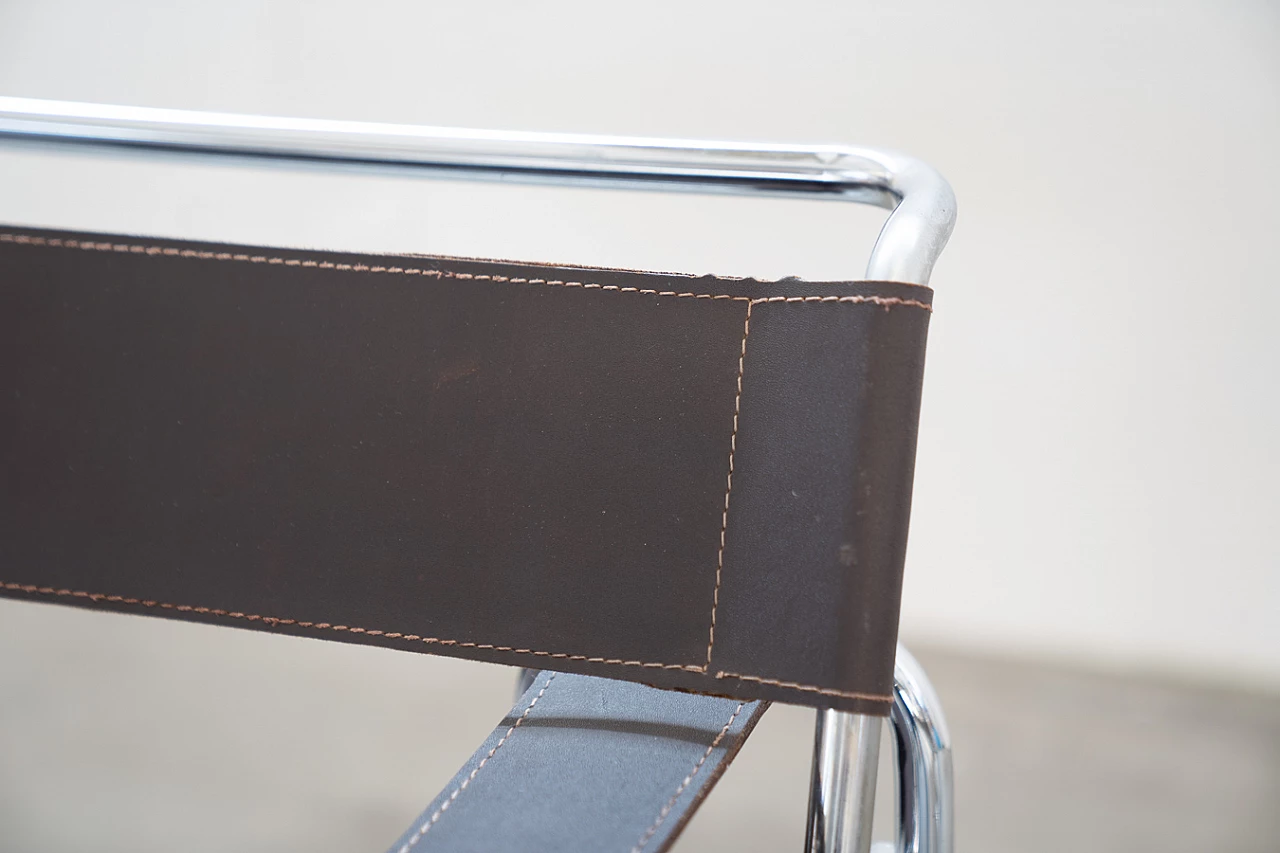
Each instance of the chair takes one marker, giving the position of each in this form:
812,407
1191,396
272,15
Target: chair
670,499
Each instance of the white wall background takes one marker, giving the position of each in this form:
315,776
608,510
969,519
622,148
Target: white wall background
1098,475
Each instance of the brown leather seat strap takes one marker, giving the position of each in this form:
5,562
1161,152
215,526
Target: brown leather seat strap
586,765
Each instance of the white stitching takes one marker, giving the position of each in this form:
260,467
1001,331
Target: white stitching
666,810
422,830
728,488
807,688
326,626
393,635
88,245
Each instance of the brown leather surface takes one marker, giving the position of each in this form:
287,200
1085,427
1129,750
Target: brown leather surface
695,483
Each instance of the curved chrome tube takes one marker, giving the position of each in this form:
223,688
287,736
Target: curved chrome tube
925,785
842,797
910,242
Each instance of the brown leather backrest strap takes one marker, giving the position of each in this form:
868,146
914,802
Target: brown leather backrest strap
695,483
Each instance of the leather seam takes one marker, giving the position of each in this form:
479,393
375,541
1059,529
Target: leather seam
666,810
806,688
426,827
273,621
154,251
326,626
728,489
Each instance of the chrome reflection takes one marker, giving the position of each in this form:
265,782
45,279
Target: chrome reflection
847,747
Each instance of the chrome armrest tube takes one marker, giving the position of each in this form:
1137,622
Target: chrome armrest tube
910,242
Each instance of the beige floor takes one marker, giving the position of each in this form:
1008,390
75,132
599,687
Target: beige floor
130,734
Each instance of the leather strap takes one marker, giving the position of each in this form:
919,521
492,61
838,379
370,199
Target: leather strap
695,483
586,765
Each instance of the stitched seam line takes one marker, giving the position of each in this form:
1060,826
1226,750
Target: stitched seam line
153,250
728,488
393,635
807,688
666,810
426,827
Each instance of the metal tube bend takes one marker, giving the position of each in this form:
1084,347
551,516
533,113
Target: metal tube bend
914,235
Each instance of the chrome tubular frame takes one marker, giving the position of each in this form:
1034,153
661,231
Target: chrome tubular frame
842,796
842,791
913,236
925,786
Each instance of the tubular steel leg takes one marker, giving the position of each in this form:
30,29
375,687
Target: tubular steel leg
926,792
843,790
842,796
